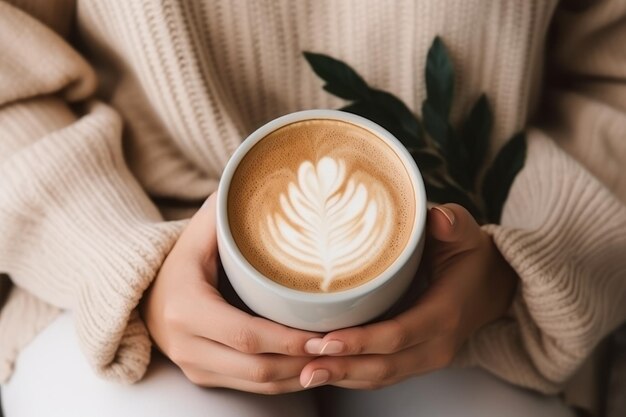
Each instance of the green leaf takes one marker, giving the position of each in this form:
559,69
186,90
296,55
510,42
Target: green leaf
374,114
451,148
436,110
500,175
437,127
449,194
439,79
341,80
451,161
404,116
476,131
379,106
341,91
457,163
426,159
386,119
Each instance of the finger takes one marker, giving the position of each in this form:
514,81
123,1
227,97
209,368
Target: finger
266,388
419,359
426,320
214,380
366,385
198,241
215,357
451,223
219,321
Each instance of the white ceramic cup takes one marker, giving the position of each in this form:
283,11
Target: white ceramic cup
320,311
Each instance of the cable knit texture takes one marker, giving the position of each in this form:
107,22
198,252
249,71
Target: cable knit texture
181,83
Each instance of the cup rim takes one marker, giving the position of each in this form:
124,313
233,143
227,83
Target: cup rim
419,222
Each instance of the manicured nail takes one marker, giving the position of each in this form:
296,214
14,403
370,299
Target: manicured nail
318,377
206,202
314,346
317,346
332,347
446,212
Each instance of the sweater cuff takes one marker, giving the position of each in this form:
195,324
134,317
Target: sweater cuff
564,233
79,233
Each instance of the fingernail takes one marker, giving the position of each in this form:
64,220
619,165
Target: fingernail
210,198
319,377
446,212
332,347
314,346
317,346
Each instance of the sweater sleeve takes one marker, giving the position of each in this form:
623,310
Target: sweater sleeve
77,231
563,227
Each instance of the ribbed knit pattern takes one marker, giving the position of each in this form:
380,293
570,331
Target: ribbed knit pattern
77,231
184,82
571,266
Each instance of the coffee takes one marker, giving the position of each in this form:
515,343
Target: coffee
321,205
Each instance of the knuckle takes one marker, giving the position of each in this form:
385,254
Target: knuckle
358,342
357,348
452,320
400,337
194,377
245,340
383,370
177,354
444,358
262,373
292,346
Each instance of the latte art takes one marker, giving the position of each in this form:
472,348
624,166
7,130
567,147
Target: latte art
321,206
328,222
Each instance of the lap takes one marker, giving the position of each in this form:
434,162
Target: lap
52,378
450,393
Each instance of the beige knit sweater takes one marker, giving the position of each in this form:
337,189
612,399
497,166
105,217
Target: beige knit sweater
117,117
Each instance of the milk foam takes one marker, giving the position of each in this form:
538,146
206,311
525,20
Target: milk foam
328,224
321,205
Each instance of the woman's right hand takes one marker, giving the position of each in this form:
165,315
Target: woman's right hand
214,343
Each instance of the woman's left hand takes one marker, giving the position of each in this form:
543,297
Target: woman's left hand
471,285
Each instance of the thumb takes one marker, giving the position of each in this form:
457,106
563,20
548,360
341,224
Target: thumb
452,223
199,239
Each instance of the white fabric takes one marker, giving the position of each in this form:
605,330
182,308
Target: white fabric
52,379
447,393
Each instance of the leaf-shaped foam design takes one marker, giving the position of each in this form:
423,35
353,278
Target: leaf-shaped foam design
328,225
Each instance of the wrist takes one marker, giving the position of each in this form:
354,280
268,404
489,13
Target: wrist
505,280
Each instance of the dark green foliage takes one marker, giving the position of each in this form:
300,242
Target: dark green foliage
476,130
500,176
439,79
449,161
341,80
